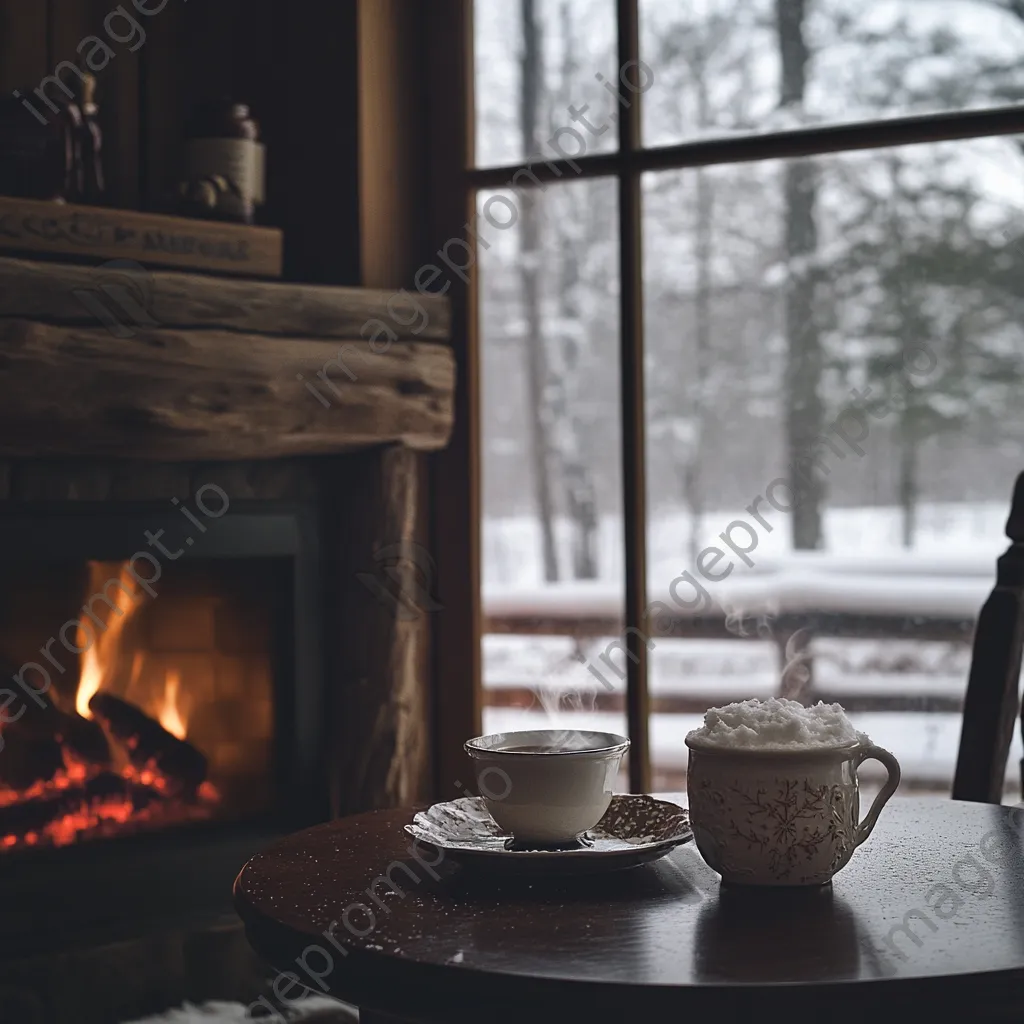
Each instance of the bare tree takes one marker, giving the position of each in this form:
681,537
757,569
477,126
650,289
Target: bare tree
705,197
805,360
532,79
572,228
698,49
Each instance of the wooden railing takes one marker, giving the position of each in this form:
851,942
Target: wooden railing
792,635
804,606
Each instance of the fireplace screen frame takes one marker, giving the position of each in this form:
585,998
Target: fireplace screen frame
80,531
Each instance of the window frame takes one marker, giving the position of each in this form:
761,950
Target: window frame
458,673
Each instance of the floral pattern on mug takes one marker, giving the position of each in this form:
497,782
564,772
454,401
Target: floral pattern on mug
803,833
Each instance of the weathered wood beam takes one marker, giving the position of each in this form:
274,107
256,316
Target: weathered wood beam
380,596
206,394
67,294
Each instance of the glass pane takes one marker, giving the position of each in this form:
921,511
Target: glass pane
836,354
724,66
552,444
545,79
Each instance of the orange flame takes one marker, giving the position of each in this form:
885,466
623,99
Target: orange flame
99,658
169,716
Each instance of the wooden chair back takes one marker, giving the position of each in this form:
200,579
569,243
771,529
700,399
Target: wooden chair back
992,703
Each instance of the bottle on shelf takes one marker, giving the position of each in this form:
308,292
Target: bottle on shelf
91,177
224,163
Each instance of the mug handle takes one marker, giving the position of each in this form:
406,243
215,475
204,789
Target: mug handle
892,766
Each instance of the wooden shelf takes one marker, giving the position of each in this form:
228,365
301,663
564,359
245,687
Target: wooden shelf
95,233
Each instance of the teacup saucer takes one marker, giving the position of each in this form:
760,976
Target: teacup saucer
635,829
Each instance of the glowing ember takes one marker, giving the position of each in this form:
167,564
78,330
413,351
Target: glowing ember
100,656
169,716
143,798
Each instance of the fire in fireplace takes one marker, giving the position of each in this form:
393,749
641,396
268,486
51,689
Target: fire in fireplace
166,719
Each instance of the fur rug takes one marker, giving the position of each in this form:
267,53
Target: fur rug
310,1011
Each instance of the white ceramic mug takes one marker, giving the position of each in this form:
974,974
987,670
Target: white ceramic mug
781,817
547,785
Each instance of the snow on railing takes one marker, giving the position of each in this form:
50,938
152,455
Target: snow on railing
888,636
795,584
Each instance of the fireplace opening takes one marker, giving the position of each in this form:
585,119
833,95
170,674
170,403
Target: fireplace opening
140,696
158,726
160,705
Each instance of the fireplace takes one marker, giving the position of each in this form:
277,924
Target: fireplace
163,691
212,624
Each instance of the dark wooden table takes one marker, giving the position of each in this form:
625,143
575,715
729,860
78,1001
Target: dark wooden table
929,914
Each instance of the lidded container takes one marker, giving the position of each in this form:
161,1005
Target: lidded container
224,151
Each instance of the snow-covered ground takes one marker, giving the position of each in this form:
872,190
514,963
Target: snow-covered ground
949,572
953,538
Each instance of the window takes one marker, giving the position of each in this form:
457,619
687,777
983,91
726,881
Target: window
750,337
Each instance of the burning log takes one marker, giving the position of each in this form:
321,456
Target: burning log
32,742
34,752
149,743
35,813
85,740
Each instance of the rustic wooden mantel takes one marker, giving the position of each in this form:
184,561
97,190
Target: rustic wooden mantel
187,367
122,384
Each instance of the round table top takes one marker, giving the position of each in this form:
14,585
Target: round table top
930,908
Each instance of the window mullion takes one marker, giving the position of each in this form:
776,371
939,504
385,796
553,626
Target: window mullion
634,481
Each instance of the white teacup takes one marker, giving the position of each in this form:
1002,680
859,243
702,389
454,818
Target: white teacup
781,817
547,785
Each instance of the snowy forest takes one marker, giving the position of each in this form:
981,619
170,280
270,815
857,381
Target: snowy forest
775,291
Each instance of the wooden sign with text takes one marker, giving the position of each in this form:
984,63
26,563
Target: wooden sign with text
93,232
